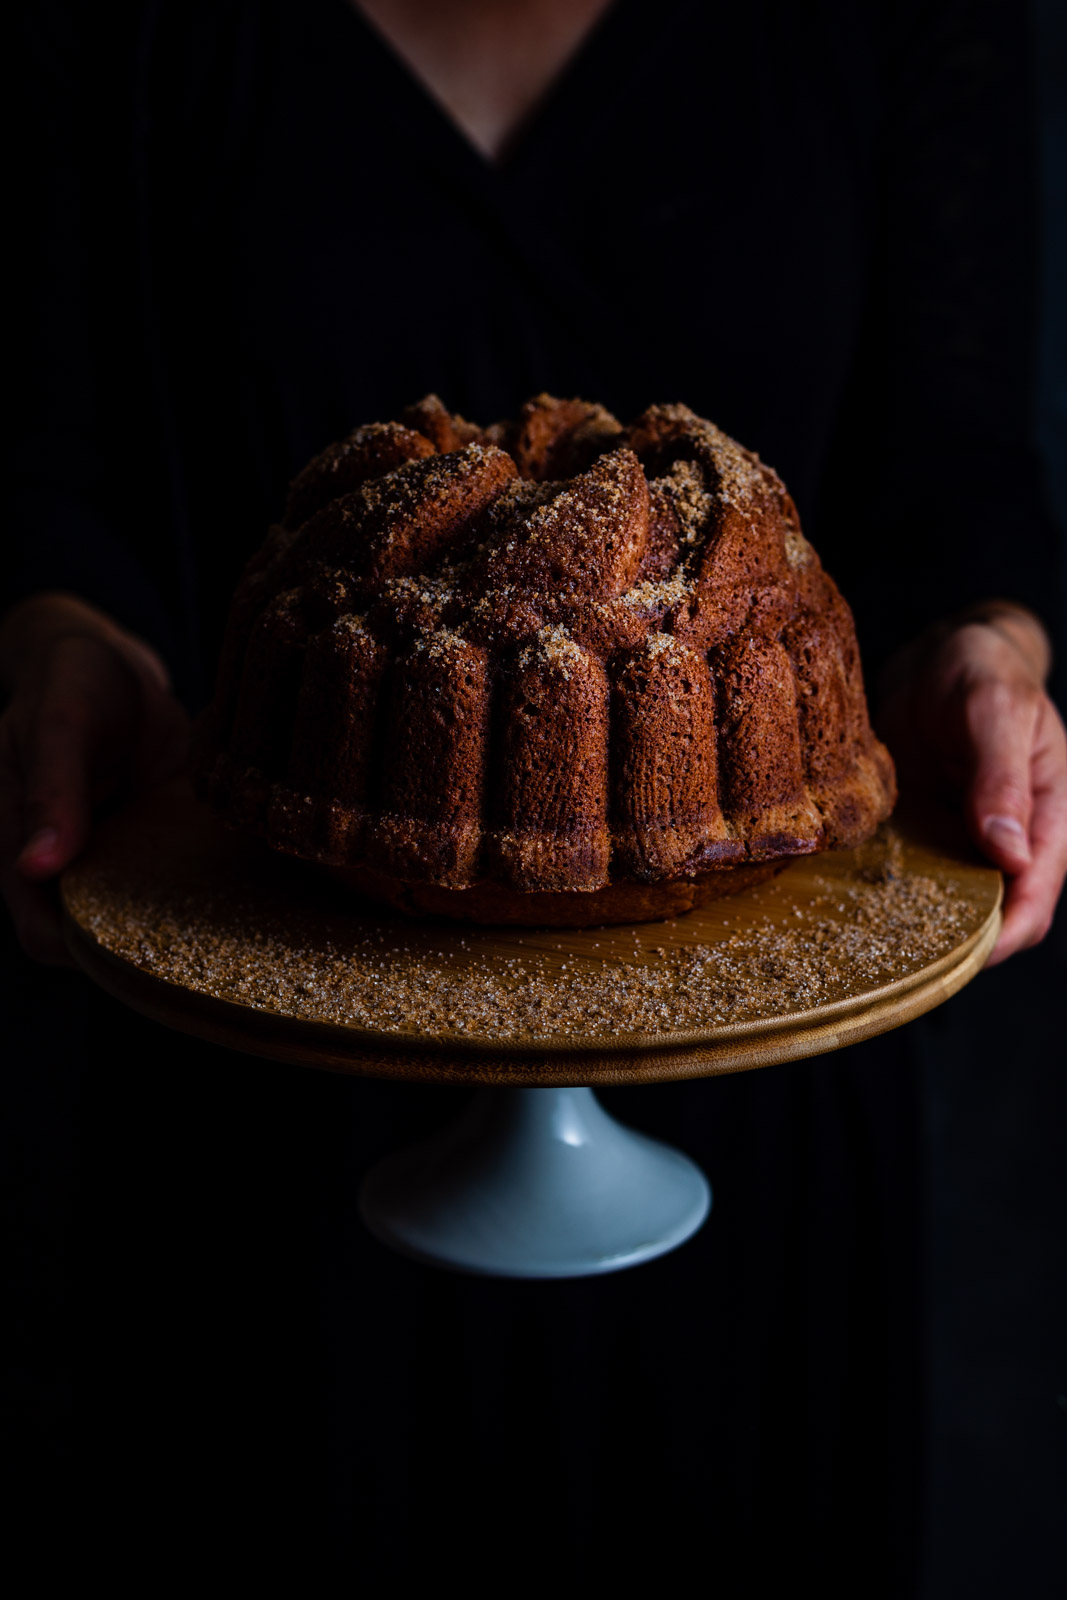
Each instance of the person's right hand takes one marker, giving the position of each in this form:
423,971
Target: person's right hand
90,714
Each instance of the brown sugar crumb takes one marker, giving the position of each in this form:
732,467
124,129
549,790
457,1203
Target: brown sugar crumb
798,551
684,486
441,646
651,596
658,644
553,647
268,936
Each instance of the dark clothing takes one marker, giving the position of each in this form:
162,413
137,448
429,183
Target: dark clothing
810,222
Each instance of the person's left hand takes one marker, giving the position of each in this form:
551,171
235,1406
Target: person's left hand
967,719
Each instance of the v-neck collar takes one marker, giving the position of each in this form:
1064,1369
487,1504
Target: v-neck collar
588,89
572,125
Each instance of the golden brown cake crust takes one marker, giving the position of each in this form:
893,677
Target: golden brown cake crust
551,670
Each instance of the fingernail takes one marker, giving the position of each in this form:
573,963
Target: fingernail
41,843
1007,834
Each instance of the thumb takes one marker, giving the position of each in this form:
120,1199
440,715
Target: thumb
1001,719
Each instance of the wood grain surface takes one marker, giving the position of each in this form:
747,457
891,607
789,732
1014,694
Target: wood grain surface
120,922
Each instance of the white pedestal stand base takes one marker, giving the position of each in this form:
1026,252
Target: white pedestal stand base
535,1183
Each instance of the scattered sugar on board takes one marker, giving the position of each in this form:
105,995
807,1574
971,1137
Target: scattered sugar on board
322,964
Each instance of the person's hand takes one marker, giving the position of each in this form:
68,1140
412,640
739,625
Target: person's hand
968,720
89,714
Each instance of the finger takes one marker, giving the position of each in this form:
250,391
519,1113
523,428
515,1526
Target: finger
1032,896
1028,910
70,733
34,908
1000,722
56,801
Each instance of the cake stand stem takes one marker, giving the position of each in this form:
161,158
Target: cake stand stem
535,1183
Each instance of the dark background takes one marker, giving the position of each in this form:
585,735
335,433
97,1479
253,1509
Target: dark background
997,1487
994,1146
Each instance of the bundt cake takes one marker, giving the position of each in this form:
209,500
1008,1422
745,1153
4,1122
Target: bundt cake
554,670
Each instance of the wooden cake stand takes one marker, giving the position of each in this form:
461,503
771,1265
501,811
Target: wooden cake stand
217,937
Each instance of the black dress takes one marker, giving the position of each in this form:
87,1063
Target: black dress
252,230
